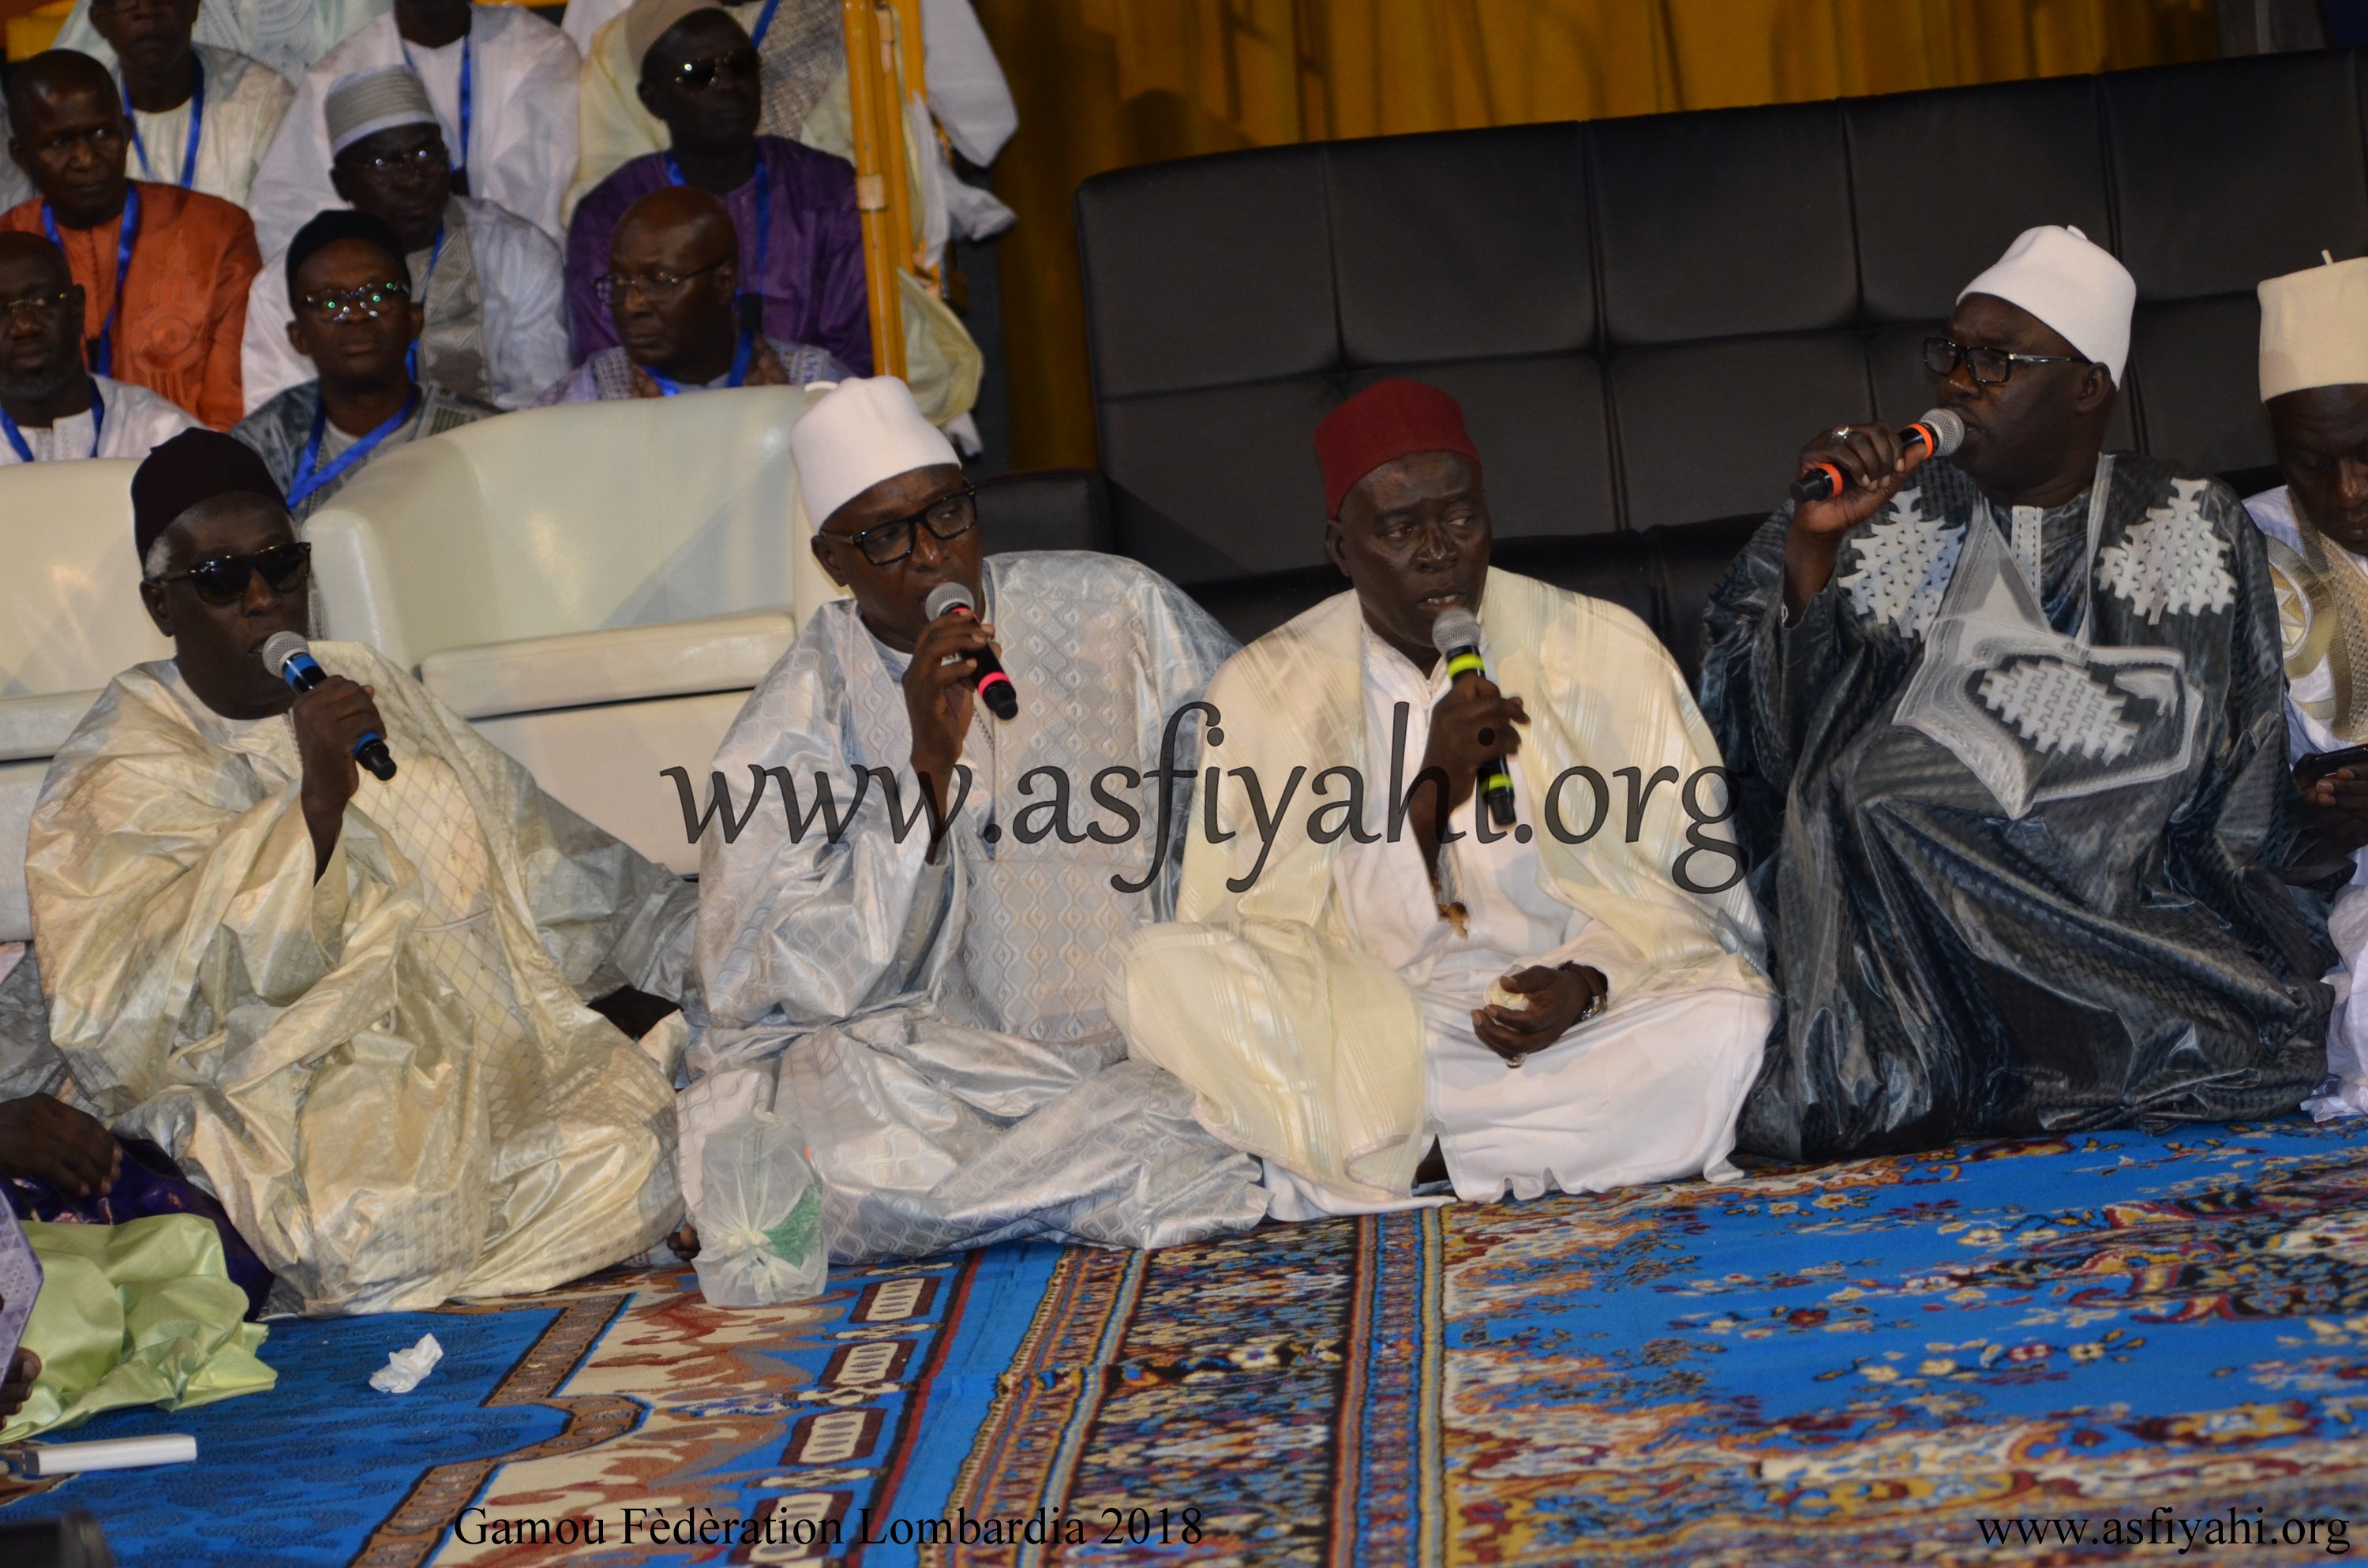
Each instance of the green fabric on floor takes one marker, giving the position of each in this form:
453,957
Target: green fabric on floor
143,1313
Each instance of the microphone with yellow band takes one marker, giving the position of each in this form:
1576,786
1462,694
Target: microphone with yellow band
1456,635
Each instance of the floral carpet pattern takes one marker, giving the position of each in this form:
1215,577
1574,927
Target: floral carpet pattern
2032,1352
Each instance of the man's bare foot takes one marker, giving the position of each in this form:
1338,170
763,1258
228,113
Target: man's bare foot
685,1242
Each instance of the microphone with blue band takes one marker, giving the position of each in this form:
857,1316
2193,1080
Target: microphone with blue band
1456,635
288,656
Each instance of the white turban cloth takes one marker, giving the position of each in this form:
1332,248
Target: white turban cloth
2072,284
857,433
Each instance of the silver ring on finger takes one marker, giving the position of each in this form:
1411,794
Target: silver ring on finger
1842,431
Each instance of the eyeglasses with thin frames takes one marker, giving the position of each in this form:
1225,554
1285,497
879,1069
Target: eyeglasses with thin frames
1990,367
223,580
659,288
39,307
420,162
948,518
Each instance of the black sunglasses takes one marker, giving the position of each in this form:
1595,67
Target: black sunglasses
223,579
697,75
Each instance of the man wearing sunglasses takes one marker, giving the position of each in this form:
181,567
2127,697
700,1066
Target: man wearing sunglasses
503,81
489,285
672,289
51,408
362,1009
164,271
2011,760
356,323
800,247
921,978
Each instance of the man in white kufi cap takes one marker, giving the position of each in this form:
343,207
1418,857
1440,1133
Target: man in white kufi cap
906,942
2007,735
489,283
503,83
2315,387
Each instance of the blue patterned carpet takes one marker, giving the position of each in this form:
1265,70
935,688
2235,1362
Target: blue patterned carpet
1958,1357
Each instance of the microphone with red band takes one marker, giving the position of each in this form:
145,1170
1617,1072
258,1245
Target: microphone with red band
1940,432
995,687
288,656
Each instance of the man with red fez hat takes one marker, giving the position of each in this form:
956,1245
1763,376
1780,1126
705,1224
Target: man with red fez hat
362,1008
1454,918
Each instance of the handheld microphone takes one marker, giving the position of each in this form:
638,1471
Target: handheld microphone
1456,635
1940,431
289,656
995,687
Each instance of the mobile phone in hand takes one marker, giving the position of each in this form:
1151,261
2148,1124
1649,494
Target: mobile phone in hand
2318,764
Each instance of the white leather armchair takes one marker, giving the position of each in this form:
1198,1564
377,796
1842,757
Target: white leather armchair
596,586
70,621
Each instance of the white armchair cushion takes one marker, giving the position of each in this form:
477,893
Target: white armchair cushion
623,664
34,727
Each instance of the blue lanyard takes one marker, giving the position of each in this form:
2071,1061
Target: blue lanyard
668,386
25,448
750,277
197,125
306,482
103,362
468,72
764,20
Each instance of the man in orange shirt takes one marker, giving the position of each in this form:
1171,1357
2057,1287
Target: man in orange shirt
164,271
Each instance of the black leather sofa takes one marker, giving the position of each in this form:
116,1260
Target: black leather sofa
1645,318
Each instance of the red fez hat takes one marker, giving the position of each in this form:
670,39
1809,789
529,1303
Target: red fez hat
1387,421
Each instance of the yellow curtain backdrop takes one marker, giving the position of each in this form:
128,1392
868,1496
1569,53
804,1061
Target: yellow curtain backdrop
1105,84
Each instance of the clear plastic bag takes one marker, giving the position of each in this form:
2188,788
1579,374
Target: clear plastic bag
759,1215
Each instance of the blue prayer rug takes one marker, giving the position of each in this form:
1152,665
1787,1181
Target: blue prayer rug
2044,1350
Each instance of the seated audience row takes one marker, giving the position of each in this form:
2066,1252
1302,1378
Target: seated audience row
454,124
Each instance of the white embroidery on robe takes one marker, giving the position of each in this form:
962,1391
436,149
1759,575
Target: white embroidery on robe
1903,564
2174,561
2057,707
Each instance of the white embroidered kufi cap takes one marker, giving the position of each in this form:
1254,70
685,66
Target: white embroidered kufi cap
367,102
2314,328
858,433
2071,283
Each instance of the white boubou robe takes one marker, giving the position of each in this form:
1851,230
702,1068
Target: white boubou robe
244,101
135,420
935,1021
1323,1012
2327,697
286,35
387,1075
521,149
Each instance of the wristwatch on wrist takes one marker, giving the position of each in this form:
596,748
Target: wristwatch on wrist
1595,1004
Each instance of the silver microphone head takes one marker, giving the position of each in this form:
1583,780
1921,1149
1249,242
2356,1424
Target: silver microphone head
1455,629
946,596
1950,429
283,646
